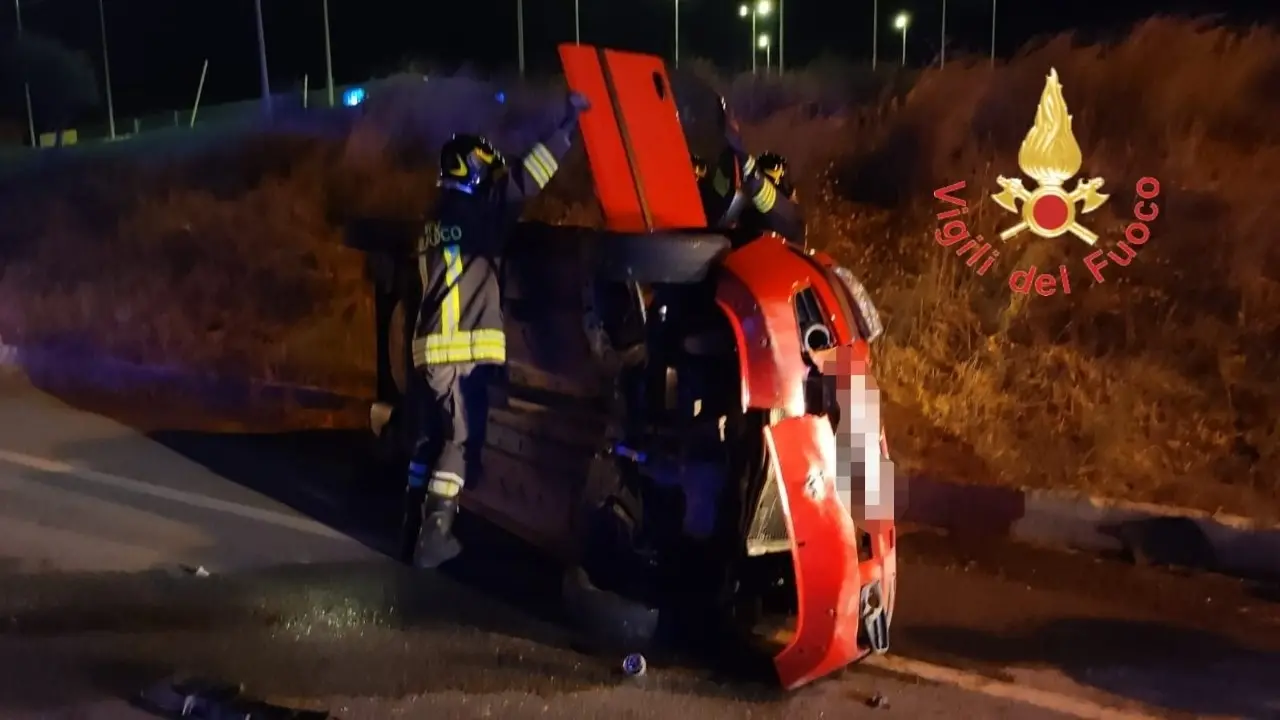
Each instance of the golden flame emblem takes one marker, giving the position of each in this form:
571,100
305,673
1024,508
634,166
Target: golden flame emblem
1051,156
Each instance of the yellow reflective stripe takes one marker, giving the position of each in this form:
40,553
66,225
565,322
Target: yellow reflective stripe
535,171
765,199
540,164
545,157
485,344
749,165
451,308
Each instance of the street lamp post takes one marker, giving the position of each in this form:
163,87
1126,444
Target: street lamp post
763,8
577,24
26,85
262,58
763,43
328,54
901,22
106,70
781,39
520,33
676,51
993,33
942,54
875,31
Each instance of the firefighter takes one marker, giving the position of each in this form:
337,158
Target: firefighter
459,326
774,201
764,181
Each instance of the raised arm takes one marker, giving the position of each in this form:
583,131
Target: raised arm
783,213
528,177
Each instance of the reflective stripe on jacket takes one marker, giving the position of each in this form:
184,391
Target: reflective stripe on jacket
770,210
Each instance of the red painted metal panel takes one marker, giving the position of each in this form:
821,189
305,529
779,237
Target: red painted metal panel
640,161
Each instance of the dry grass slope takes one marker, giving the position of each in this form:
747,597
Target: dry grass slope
1156,385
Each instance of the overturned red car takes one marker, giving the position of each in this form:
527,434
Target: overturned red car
679,403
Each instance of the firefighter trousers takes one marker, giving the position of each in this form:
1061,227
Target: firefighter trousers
454,409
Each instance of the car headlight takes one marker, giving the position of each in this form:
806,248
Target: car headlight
869,323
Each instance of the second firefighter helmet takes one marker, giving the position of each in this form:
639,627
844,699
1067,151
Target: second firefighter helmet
774,167
469,163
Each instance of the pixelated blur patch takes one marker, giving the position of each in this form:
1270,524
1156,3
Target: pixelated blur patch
865,476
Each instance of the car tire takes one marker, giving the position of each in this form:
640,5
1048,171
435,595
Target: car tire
659,258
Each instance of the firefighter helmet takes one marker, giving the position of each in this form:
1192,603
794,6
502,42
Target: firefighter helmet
469,163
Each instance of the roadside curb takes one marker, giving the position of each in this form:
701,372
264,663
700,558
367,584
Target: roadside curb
62,370
1145,533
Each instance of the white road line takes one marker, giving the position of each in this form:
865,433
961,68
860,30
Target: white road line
972,682
271,517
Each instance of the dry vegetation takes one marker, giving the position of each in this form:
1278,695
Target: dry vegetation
1158,385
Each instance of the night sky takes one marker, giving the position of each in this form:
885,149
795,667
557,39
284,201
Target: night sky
157,47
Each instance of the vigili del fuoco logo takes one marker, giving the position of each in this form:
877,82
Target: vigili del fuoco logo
1051,157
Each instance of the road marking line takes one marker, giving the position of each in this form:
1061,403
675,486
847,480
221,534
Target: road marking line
138,487
972,682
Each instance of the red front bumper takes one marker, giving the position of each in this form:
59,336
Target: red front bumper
844,598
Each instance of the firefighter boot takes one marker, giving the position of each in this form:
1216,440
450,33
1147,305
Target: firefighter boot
411,522
436,543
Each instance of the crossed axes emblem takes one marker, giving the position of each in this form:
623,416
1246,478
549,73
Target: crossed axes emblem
1014,194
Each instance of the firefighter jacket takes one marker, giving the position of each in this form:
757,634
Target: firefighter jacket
770,210
460,260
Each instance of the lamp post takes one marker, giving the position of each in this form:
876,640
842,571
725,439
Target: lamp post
577,24
677,44
900,23
520,33
993,33
262,59
875,31
26,84
763,8
328,54
782,42
763,43
106,70
942,54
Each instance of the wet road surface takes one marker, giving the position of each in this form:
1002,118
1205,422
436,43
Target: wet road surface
98,518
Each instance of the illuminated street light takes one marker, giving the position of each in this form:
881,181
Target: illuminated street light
901,22
763,8
764,44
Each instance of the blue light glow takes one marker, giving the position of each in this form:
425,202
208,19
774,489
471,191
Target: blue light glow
353,97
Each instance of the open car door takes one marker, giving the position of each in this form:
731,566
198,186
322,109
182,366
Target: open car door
639,158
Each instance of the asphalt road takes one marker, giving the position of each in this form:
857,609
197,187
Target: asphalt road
99,518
